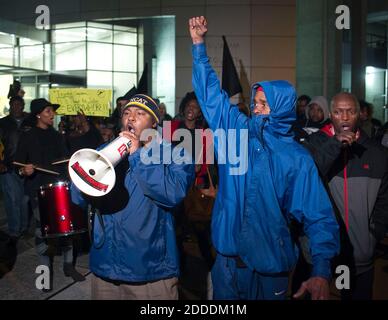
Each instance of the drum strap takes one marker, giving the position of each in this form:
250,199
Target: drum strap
93,213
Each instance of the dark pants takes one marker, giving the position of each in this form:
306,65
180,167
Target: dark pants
15,203
45,248
361,286
202,231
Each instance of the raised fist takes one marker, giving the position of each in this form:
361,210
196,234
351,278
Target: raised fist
198,29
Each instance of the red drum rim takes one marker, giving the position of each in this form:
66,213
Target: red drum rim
55,184
58,235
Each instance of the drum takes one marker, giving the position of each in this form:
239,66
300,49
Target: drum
59,216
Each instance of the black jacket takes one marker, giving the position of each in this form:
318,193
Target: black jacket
10,133
357,180
42,147
92,139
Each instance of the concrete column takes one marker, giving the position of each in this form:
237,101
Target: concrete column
319,48
358,11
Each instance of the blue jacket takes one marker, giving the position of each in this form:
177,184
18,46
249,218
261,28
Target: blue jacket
253,209
139,242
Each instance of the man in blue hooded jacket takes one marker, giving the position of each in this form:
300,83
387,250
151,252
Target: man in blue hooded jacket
134,253
253,209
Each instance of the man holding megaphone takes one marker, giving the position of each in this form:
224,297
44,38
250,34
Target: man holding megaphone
134,254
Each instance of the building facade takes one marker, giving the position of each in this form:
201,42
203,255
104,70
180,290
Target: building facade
261,36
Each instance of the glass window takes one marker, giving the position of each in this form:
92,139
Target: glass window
69,35
47,57
4,46
122,83
99,79
31,57
69,56
70,25
125,28
6,56
101,35
99,25
125,58
16,56
99,56
43,90
123,37
30,94
7,39
27,42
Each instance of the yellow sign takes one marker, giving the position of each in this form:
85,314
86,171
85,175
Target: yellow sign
93,102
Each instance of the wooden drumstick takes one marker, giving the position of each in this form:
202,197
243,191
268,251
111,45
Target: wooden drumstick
36,168
47,171
60,161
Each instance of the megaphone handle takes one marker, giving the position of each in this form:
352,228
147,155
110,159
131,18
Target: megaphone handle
96,212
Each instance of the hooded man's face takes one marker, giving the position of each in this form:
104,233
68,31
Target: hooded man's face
344,114
261,104
316,113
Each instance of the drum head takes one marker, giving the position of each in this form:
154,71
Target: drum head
54,184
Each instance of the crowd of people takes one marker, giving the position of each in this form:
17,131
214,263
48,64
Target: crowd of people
314,195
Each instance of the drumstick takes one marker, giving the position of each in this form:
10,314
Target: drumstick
36,168
47,171
61,161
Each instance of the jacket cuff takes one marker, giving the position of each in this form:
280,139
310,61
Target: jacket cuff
134,159
322,268
199,51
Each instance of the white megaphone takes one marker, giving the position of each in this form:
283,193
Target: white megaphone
93,171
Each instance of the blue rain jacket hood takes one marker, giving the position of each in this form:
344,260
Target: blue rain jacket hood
253,209
281,97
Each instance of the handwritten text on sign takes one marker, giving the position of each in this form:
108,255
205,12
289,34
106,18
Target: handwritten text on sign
93,102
